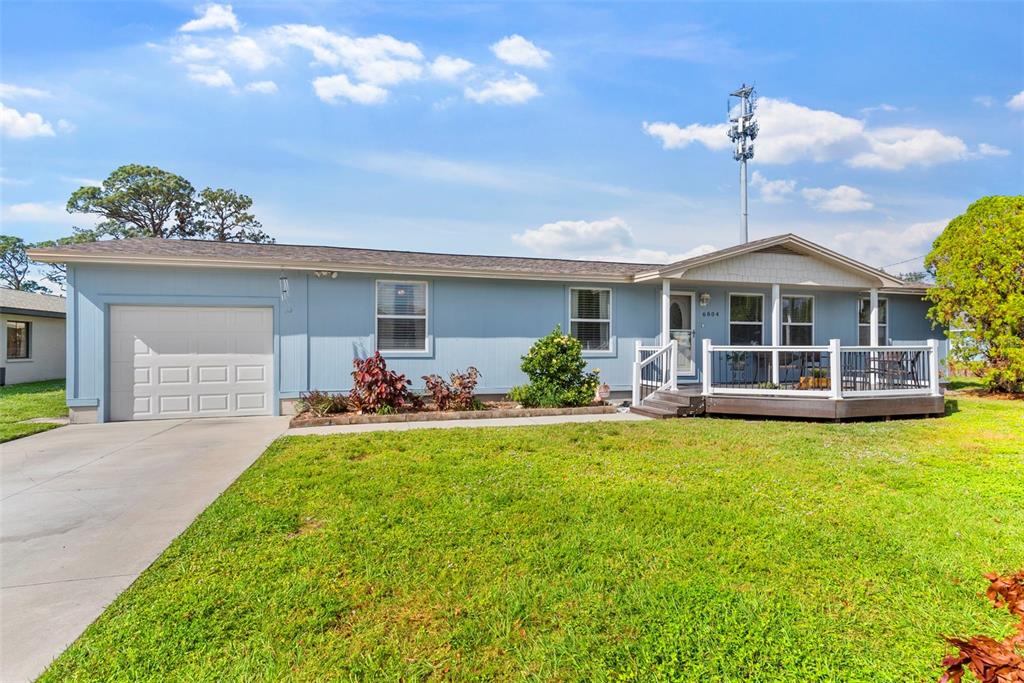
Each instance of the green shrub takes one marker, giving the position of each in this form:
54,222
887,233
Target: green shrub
557,373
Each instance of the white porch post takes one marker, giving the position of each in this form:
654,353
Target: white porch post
874,317
835,373
706,372
636,374
933,367
776,331
666,298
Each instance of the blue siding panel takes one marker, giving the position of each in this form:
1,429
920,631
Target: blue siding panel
486,323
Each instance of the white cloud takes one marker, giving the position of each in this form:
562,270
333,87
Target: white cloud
893,149
1016,102
190,52
449,68
65,126
882,247
515,90
880,107
330,88
212,17
987,150
247,52
840,199
212,76
790,132
518,51
262,87
984,100
334,49
388,71
772,191
36,212
610,239
674,137
14,124
9,91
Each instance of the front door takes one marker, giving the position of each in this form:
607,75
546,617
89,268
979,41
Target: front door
680,316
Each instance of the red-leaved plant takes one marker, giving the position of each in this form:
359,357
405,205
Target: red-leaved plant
459,395
376,389
991,660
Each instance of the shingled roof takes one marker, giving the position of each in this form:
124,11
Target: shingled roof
151,251
160,251
29,303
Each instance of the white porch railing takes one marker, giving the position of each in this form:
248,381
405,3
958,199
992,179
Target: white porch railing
654,369
832,371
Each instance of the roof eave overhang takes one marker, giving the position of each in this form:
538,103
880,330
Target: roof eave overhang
278,264
31,312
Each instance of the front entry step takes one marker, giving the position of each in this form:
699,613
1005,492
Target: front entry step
665,404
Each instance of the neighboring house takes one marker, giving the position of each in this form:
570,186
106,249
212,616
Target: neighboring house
33,341
175,328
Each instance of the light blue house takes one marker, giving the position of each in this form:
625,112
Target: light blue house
177,328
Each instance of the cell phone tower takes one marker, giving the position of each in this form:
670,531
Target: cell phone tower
742,133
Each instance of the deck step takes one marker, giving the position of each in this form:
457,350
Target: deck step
672,407
664,404
652,412
671,397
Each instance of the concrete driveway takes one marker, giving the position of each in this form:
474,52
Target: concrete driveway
85,508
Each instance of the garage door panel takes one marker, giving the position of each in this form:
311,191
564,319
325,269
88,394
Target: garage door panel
173,362
213,374
209,403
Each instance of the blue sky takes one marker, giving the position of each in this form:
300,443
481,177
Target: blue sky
571,130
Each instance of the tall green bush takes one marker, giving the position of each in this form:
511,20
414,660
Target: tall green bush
557,373
978,262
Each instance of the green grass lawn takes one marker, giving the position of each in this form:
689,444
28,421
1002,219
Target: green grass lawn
702,549
25,401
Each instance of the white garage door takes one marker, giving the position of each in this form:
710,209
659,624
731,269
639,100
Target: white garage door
173,361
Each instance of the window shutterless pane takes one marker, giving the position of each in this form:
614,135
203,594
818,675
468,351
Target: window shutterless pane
401,298
744,308
17,340
865,311
595,336
797,309
740,334
590,303
864,336
797,335
401,334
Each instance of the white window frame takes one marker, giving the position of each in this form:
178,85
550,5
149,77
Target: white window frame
377,316
611,312
731,322
28,342
782,332
883,340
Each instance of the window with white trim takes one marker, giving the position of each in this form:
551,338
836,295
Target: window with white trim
401,315
797,320
746,319
18,337
590,318
864,322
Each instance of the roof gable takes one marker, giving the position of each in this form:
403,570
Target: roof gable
783,259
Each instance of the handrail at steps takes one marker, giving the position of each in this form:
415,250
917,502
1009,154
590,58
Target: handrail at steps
654,369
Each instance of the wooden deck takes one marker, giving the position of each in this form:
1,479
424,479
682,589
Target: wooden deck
823,408
689,401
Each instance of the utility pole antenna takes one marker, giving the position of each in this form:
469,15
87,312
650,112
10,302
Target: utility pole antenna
742,133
